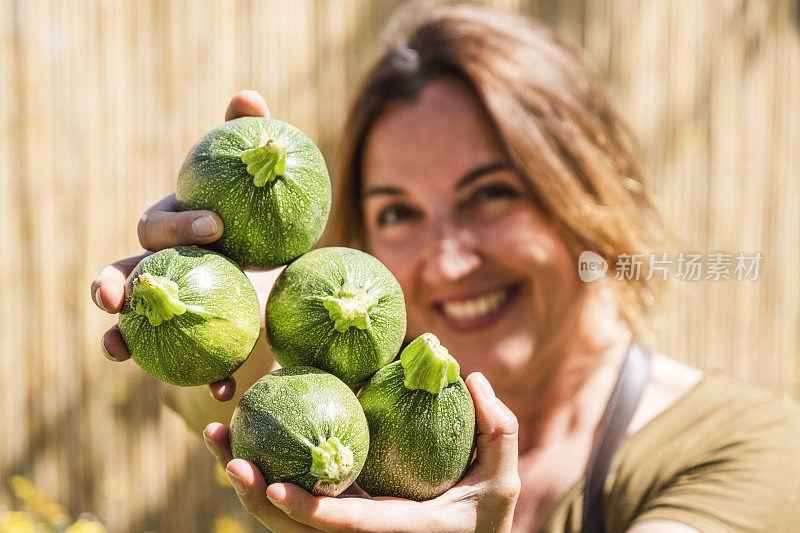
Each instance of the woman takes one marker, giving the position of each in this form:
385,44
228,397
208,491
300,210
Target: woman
481,157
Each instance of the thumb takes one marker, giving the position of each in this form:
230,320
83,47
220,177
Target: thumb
247,104
163,226
498,429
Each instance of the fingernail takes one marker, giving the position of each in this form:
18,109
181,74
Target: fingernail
105,350
99,300
210,446
278,498
485,388
236,482
204,226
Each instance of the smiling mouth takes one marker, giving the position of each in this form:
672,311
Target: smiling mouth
478,311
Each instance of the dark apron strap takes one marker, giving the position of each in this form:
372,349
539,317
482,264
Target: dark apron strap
625,397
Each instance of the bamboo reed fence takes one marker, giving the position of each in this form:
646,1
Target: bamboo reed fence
101,99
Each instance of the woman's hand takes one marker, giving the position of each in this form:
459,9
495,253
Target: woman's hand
483,500
163,226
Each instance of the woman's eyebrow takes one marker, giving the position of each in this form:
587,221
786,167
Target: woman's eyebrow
481,171
380,190
468,178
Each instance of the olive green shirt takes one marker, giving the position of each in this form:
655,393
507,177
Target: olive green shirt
724,458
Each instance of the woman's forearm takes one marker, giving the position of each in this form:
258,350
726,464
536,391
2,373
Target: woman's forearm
198,408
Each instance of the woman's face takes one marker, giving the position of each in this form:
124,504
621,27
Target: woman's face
480,265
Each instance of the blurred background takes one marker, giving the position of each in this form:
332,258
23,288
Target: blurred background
100,101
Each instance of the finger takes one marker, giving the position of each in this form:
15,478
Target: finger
353,491
351,514
108,288
217,439
223,390
163,226
114,346
497,439
251,489
247,104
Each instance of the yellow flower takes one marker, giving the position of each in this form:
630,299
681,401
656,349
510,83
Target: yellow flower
22,487
226,524
16,522
53,513
86,526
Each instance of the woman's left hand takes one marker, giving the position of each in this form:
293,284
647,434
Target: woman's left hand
483,500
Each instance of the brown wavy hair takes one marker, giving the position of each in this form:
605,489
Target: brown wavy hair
550,114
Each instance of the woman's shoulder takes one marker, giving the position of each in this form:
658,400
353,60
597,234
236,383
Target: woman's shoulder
689,413
682,396
706,451
722,455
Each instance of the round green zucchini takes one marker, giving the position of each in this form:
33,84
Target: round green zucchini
304,426
421,424
269,184
337,309
190,316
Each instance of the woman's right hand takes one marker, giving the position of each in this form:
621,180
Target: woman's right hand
483,501
163,226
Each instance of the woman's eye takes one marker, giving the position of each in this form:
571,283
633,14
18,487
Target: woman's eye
395,214
492,192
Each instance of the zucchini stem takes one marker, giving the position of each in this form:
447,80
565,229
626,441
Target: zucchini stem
350,307
156,298
265,161
331,461
427,365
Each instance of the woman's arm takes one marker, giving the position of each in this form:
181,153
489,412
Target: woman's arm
198,408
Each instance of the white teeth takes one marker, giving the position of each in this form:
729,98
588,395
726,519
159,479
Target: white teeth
475,307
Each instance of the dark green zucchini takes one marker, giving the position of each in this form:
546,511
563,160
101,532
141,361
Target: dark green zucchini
190,316
304,426
269,184
337,309
421,422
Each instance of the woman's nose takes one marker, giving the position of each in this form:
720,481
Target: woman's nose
453,256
